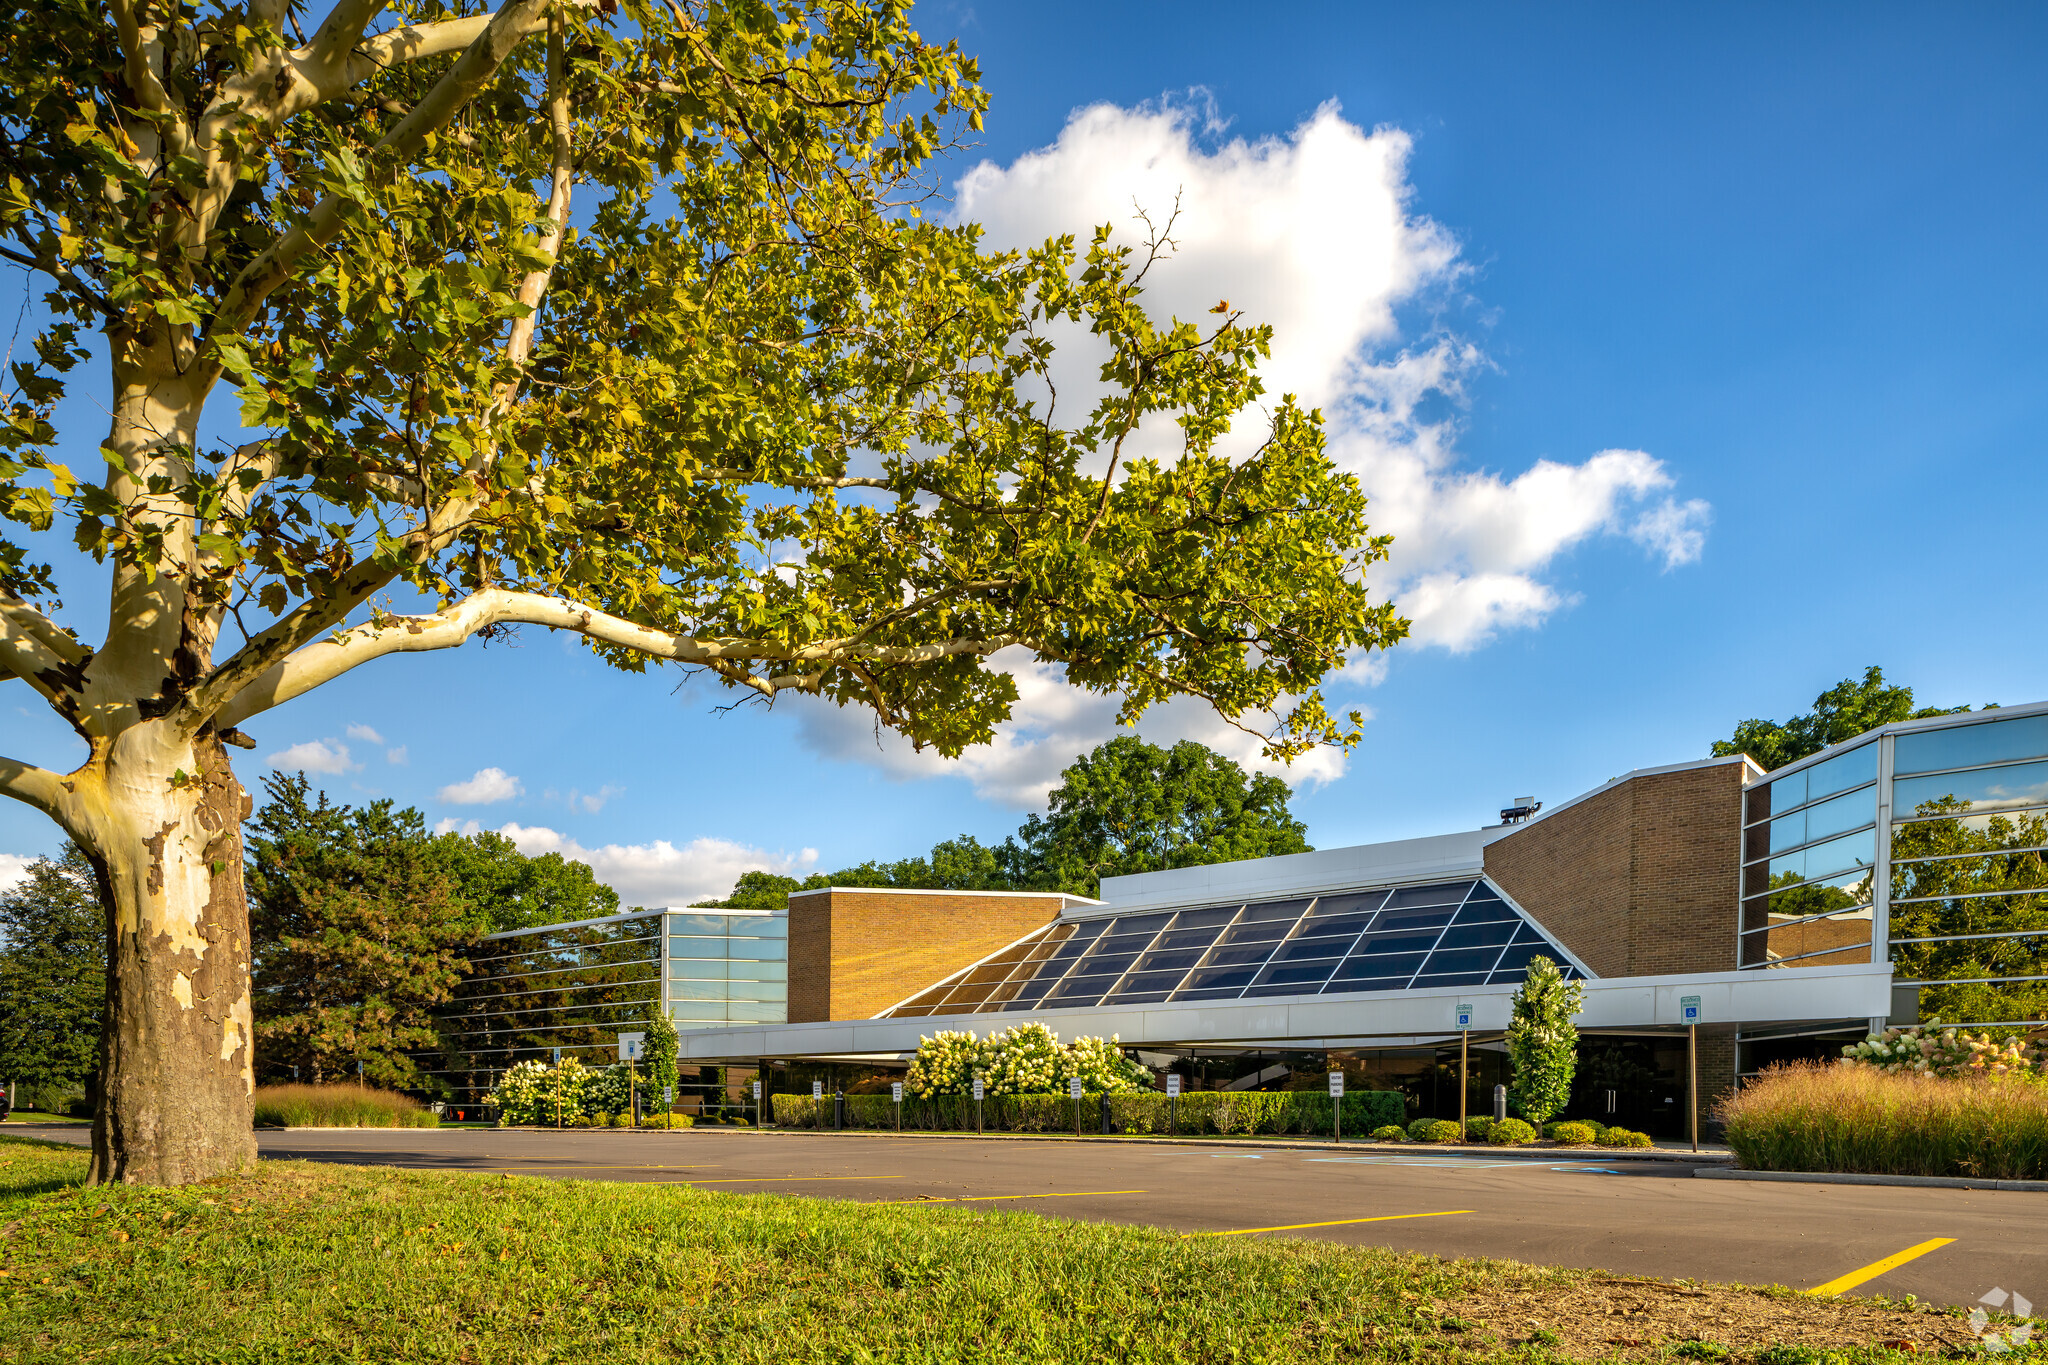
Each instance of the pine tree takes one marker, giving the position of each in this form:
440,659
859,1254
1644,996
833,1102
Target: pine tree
53,977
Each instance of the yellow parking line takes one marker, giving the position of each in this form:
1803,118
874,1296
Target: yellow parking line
1845,1283
772,1179
985,1198
1333,1223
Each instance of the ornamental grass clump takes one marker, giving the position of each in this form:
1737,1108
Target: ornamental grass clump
1809,1116
338,1106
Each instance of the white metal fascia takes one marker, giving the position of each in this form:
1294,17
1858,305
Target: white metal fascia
1854,994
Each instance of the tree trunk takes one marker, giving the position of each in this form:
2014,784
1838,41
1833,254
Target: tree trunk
177,1045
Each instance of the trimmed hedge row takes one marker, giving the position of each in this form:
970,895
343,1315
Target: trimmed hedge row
1228,1112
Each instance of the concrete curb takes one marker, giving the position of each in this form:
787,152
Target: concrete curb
1530,1154
1939,1182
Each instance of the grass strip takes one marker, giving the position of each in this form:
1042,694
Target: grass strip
310,1262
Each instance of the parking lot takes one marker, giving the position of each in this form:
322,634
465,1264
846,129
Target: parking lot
1633,1217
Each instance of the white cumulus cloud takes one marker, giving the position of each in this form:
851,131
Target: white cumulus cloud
13,867
365,734
488,787
660,872
396,757
1317,234
314,756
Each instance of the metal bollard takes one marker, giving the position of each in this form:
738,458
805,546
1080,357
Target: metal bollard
1105,1112
839,1109
1500,1103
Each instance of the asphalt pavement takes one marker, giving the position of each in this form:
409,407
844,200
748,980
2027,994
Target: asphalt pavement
1636,1218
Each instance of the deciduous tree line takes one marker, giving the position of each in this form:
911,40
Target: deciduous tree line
1127,807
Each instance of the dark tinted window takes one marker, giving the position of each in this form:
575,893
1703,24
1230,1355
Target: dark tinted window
1437,893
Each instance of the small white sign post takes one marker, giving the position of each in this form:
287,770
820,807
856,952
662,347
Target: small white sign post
1464,1060
632,1047
818,1103
896,1095
1337,1104
1074,1093
760,1118
977,1106
1689,1013
1172,1104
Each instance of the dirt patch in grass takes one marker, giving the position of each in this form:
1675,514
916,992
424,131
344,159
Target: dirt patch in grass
1589,1318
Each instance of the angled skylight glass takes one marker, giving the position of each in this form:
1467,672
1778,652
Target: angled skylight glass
1454,933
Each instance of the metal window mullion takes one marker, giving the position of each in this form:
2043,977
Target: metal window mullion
1293,931
1957,857
1079,958
1806,919
1866,868
1977,767
1150,944
2034,809
1749,824
1815,843
1965,938
1210,951
1972,981
1417,974
1881,871
1801,957
1971,895
546,990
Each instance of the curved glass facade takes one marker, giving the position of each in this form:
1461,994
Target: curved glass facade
1932,837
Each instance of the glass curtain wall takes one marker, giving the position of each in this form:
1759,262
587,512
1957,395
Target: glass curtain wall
728,967
574,986
1969,887
1956,887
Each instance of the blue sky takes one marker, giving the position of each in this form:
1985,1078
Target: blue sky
1788,261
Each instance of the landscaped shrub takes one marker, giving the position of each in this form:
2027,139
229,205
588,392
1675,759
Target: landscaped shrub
623,1119
1392,1132
667,1121
1418,1131
1817,1117
1624,1137
1237,1113
1574,1134
945,1064
606,1090
1510,1132
1599,1128
339,1106
1444,1131
534,1092
1542,1041
1478,1128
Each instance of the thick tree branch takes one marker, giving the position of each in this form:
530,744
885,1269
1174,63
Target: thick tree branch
23,654
19,615
39,787
445,629
141,49
473,70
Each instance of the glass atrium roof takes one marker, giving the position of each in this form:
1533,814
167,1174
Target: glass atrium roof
1455,933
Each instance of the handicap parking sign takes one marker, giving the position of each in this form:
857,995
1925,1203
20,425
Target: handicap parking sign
1689,1009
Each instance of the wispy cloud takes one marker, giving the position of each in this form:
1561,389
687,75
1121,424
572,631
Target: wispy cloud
365,734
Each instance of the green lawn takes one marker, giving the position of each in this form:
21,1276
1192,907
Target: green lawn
306,1262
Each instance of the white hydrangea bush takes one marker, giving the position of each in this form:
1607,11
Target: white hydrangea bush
1102,1067
607,1090
534,1092
1931,1050
1025,1060
945,1064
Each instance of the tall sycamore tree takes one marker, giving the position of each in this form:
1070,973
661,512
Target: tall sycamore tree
616,317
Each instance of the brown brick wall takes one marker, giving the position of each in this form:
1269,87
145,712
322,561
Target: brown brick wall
854,953
1639,880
